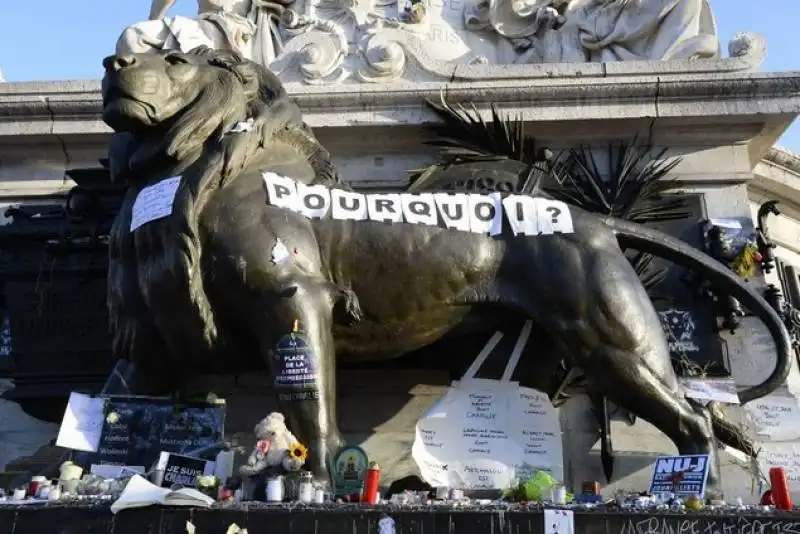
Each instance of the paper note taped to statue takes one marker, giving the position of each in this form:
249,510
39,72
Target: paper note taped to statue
154,202
466,212
488,434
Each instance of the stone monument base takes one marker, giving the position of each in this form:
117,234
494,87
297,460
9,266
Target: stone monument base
338,518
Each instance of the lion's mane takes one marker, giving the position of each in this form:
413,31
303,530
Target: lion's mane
167,256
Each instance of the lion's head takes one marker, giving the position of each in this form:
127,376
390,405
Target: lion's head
166,106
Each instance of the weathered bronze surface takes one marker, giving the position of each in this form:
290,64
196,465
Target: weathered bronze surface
198,291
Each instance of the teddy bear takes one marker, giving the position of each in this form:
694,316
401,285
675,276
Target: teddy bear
272,448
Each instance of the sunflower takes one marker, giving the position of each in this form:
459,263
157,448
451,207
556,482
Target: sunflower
298,452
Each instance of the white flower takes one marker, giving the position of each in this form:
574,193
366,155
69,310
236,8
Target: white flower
112,418
207,481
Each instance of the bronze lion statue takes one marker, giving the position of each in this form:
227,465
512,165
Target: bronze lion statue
208,274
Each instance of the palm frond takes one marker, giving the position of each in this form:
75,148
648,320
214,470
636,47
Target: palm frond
463,135
632,189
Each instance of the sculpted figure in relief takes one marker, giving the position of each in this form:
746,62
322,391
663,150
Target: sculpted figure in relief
248,27
550,31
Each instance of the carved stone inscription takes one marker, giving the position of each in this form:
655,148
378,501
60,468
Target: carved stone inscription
446,38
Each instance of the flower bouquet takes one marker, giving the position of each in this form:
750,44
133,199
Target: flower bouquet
208,485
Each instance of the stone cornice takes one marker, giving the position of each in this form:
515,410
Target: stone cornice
783,157
72,107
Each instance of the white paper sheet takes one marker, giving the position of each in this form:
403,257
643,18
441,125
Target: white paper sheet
521,214
554,217
711,389
82,424
154,202
115,471
785,454
775,417
559,522
454,210
139,492
486,213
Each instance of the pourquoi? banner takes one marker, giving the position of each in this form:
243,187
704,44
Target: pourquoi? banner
466,212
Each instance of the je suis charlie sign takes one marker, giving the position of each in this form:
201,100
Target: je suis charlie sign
466,212
682,475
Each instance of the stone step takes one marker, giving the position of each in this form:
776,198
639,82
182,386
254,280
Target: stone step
20,470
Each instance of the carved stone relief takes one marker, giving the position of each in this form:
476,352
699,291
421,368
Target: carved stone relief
377,41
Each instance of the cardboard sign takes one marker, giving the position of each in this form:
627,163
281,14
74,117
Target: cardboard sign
465,212
142,427
182,470
154,202
681,475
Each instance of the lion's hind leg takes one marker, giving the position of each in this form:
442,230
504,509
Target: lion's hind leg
615,337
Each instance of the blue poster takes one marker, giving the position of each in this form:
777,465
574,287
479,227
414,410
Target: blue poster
681,475
296,363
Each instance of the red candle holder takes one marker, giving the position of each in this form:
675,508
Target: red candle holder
780,489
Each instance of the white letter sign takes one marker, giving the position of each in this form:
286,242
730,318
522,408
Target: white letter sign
348,205
385,208
465,212
553,217
486,213
419,209
282,190
314,200
521,214
454,210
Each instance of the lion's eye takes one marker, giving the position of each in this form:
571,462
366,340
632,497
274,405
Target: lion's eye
174,59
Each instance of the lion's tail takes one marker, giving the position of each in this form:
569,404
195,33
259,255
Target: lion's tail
659,244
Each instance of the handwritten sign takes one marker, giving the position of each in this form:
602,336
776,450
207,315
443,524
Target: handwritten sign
775,417
484,434
182,470
540,429
144,427
711,389
82,425
466,212
785,454
154,202
681,475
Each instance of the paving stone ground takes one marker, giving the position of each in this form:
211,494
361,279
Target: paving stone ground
20,434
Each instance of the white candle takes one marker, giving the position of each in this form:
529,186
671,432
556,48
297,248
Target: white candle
275,489
306,492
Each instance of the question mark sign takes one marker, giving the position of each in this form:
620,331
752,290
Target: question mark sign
554,213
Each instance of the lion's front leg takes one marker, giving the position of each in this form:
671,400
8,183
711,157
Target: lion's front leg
303,366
